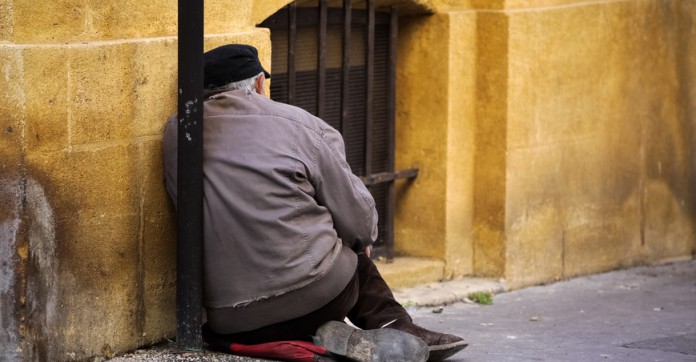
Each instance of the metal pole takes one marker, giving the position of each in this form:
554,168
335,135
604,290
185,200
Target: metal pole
190,175
391,111
292,49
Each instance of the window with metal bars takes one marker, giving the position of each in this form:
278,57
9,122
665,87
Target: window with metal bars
338,63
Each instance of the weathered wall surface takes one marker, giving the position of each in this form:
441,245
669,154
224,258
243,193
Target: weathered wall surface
554,138
11,200
600,137
86,230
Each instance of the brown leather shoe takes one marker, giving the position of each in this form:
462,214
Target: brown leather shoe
441,345
376,345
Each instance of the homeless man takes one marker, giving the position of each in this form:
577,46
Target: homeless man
287,226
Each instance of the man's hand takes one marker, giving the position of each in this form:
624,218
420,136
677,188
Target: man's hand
368,251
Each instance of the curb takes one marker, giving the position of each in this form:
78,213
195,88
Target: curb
447,292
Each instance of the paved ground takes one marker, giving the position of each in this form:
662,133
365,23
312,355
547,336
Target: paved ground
639,314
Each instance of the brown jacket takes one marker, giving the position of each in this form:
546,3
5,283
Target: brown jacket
282,211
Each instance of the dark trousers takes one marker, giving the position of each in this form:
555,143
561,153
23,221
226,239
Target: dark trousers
367,301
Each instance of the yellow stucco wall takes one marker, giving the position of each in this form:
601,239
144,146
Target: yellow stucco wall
600,137
554,138
88,248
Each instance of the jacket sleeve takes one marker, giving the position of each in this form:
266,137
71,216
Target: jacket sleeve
343,194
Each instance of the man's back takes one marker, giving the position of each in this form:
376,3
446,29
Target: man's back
273,217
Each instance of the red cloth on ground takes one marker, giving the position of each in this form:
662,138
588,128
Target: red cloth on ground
293,351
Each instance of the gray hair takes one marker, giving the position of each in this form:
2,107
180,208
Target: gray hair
248,84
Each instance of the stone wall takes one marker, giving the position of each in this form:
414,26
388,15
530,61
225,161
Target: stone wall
601,135
87,243
554,138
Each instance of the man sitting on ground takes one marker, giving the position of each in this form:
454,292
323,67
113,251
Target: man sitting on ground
288,227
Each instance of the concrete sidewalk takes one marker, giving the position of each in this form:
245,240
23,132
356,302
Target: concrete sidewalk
639,314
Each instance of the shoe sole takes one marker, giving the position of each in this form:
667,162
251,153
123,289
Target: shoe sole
442,352
377,345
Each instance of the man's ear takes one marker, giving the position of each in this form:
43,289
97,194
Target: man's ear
259,84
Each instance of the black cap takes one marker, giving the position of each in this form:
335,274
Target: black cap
230,63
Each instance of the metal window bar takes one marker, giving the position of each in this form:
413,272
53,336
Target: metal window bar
321,59
190,175
369,83
371,108
345,77
292,45
391,134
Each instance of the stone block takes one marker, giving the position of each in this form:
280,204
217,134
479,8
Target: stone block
6,21
65,21
48,105
101,93
87,177
154,83
12,103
